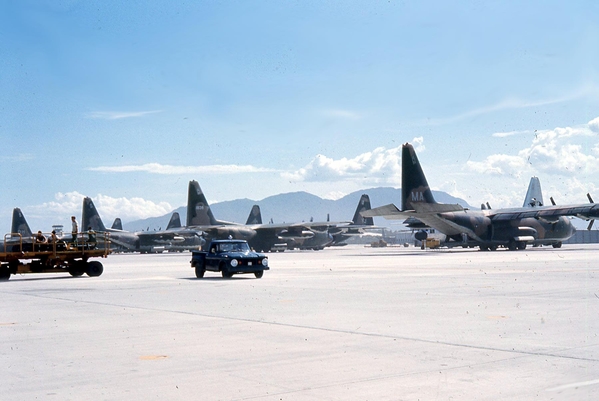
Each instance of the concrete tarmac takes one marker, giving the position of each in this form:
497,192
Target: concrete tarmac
350,323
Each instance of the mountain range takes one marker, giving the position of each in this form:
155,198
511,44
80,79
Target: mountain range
294,207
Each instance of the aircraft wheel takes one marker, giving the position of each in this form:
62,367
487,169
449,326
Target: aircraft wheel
200,270
259,274
557,245
4,276
493,248
76,272
521,245
484,248
94,269
511,245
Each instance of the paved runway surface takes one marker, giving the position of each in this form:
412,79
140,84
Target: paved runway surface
352,323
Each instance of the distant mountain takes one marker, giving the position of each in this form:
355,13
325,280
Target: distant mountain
294,207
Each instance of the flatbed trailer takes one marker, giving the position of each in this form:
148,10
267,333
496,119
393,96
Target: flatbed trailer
21,255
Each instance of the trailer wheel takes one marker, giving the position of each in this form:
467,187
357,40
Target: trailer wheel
76,272
94,269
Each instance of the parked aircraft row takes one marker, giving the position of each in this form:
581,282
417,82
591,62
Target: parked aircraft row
513,228
202,226
488,228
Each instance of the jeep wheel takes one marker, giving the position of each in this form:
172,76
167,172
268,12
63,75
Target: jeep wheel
227,274
259,274
200,270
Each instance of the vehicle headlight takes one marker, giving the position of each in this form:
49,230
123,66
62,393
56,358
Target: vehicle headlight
265,262
234,263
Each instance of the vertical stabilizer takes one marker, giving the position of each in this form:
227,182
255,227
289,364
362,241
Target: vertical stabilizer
534,195
174,222
414,187
198,210
363,204
90,217
118,224
19,224
255,216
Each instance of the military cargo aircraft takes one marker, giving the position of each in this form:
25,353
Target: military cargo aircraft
512,228
261,237
358,226
533,198
173,238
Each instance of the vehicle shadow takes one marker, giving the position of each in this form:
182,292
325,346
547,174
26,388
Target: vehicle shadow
218,278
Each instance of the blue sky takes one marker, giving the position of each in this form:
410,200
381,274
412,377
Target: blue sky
128,101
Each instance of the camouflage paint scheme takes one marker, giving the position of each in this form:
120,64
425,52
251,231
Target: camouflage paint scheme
488,228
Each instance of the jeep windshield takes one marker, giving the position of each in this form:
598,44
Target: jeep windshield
234,247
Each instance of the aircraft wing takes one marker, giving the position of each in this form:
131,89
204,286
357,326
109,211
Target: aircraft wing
548,213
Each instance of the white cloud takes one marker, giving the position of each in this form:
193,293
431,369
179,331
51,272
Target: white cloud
334,195
510,133
594,125
566,160
379,166
568,151
418,144
156,168
498,165
69,204
116,115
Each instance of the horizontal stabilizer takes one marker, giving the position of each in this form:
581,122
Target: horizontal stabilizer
386,211
436,207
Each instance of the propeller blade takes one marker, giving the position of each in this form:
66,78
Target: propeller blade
591,225
590,199
552,201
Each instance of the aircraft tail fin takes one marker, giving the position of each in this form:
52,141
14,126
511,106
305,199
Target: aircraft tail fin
198,210
534,195
118,224
363,204
90,217
414,187
255,216
19,224
174,222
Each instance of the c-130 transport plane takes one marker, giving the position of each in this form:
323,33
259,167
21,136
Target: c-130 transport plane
512,228
261,237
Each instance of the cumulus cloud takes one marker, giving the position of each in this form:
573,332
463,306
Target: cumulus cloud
377,166
418,144
594,125
498,165
69,204
156,168
567,150
117,115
